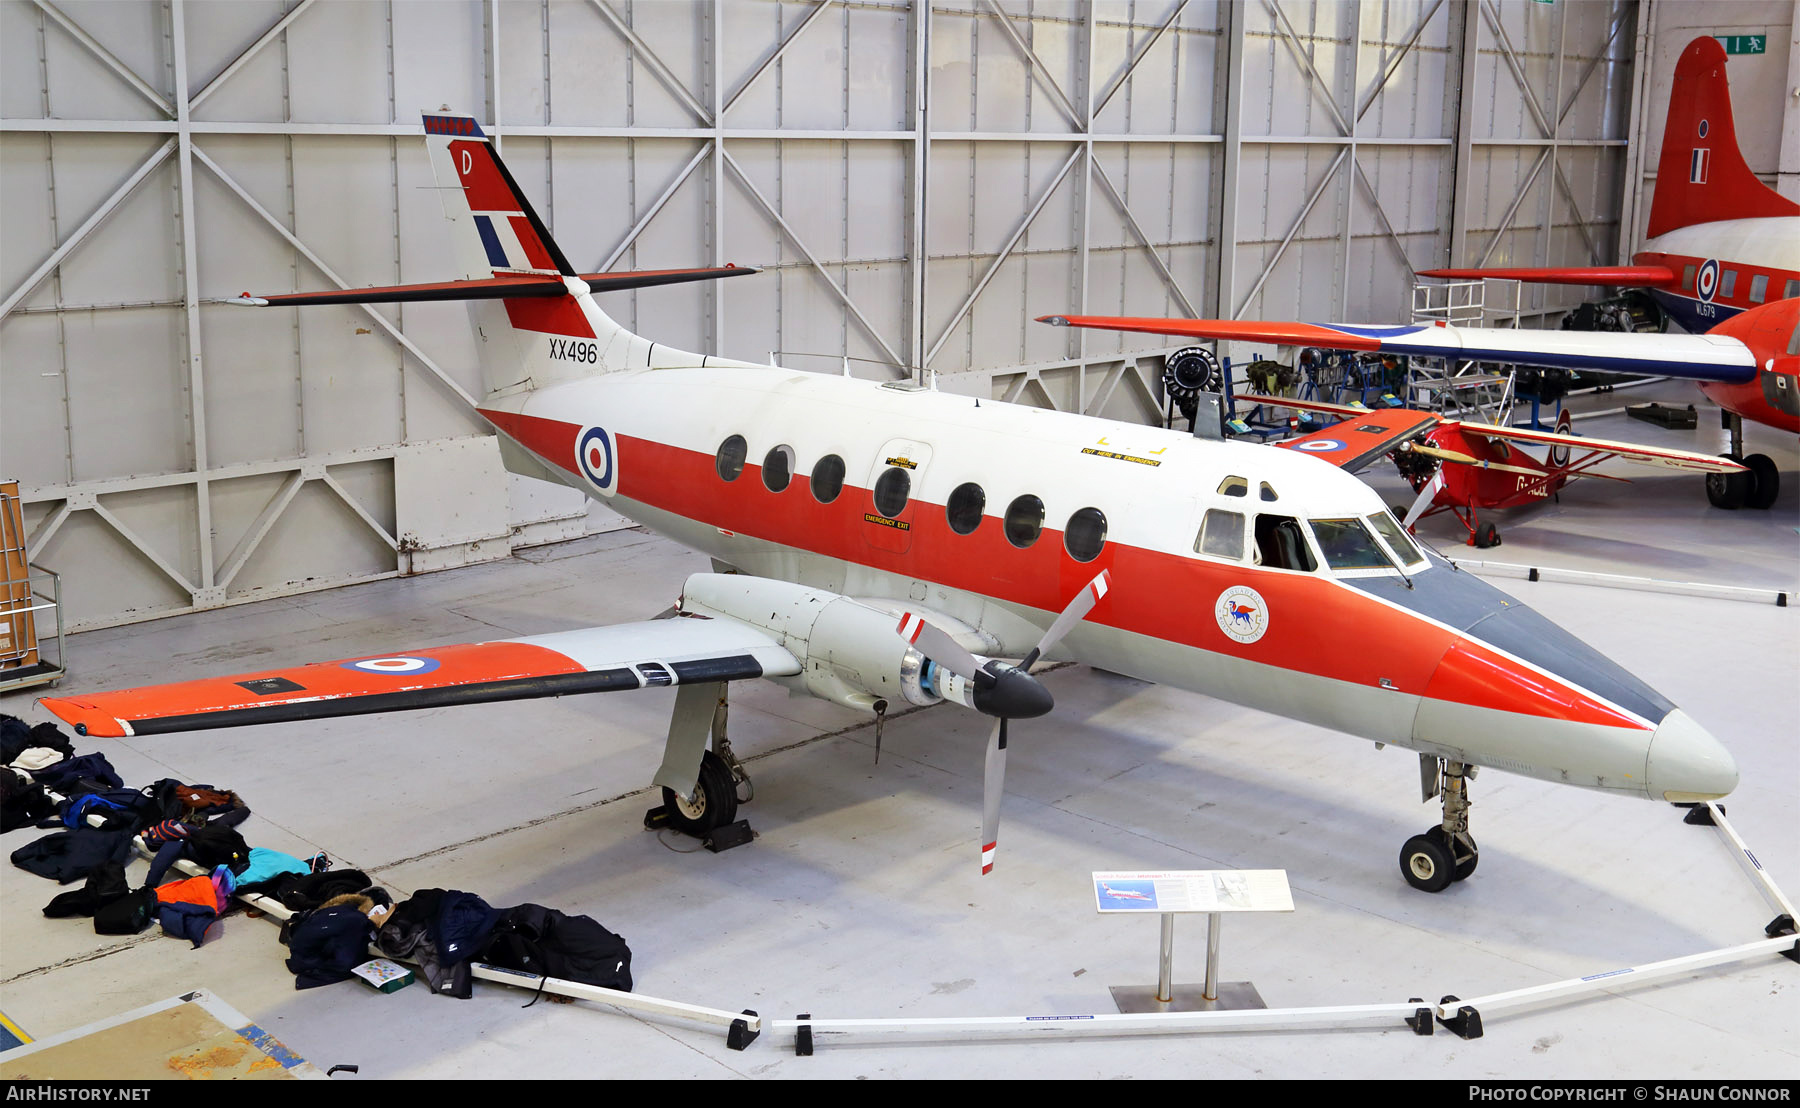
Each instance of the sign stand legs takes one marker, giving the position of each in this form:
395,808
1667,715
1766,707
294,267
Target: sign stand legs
1165,996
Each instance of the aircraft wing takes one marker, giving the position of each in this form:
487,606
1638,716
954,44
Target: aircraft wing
1699,357
1364,435
596,659
1621,276
1604,448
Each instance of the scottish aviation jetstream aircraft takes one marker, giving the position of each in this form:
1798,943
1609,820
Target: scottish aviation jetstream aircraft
1721,250
892,544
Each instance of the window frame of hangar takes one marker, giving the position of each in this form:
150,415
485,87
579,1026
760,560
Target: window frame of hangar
884,485
786,454
1069,530
1037,529
951,507
720,465
837,486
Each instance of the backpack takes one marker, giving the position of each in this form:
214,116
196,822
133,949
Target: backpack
211,847
549,943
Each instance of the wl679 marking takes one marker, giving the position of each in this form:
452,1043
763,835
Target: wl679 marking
572,350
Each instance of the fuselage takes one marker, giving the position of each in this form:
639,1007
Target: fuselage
1725,268
1238,571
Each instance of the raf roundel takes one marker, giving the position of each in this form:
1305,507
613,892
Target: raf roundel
1242,613
1708,280
394,667
1319,445
594,457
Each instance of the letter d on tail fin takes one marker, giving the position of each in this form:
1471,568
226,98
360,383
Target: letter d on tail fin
1702,176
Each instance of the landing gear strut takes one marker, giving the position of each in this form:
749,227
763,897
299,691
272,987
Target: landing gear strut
1447,852
1755,487
709,812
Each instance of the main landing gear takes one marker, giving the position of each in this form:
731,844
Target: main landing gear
1447,852
1756,487
709,811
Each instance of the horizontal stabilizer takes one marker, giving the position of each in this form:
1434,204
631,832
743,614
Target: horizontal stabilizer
1618,276
493,288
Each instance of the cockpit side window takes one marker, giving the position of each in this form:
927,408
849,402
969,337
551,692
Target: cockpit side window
1221,535
1397,539
1347,544
1280,544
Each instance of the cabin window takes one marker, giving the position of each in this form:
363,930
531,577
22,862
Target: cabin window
1791,289
1085,534
1024,520
1221,535
892,489
1397,539
1727,283
778,468
1347,544
827,478
1687,278
1759,288
1280,544
1268,493
963,509
1234,486
730,461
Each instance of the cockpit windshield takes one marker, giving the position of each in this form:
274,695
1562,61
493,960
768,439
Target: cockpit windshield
1347,544
1396,537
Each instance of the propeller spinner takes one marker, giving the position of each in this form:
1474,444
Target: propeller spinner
1001,690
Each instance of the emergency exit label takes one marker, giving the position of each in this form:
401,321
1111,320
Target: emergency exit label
1744,44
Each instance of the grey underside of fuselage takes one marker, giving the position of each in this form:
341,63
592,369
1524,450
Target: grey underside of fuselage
1611,759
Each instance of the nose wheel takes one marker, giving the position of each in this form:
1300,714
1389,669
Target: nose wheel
1446,853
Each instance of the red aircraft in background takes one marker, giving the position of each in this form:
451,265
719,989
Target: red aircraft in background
1721,248
1708,206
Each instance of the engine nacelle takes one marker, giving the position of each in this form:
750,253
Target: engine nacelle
849,652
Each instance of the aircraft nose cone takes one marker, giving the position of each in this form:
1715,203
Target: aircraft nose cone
1686,764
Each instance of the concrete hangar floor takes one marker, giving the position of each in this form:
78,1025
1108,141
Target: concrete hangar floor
861,897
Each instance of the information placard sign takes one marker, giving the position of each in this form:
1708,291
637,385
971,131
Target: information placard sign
1195,890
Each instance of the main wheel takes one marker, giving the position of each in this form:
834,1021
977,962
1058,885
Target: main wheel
714,804
1426,864
1465,867
1765,481
1730,490
1487,535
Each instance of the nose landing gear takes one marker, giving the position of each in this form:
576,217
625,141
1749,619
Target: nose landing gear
1446,853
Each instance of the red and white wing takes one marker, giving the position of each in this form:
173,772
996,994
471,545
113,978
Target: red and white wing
1604,448
1697,357
672,651
1362,437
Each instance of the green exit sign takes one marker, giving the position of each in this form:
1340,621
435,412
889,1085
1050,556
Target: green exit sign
1744,44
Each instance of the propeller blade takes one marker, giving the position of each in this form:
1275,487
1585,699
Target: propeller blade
1077,610
937,645
1469,460
992,781
1426,495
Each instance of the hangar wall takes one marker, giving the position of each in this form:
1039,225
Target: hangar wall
916,188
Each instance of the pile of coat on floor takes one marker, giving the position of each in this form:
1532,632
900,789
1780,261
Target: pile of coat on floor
331,917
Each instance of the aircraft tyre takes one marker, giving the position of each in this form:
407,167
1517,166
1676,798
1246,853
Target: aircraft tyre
1426,863
1766,481
714,804
1487,535
1730,490
1465,866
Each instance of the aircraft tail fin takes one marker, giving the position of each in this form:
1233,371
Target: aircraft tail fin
1702,176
